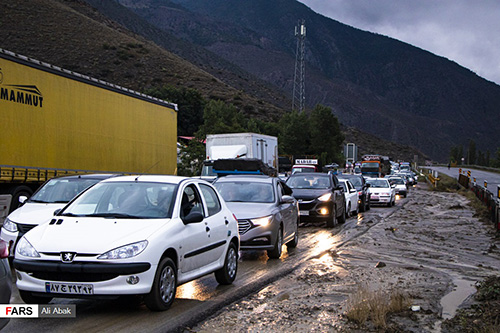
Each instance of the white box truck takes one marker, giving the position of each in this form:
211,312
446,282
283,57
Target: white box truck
239,145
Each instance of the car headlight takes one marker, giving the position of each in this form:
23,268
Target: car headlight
9,225
325,197
262,221
25,249
126,251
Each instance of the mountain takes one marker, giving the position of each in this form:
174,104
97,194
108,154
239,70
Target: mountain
117,44
372,82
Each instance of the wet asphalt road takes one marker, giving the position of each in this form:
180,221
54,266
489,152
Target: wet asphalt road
492,178
197,300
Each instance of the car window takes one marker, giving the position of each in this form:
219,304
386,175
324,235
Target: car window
211,199
190,202
376,183
309,181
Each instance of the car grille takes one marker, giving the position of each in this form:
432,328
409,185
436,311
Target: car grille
24,228
307,205
74,277
244,226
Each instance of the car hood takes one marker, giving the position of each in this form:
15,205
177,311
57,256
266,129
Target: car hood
380,190
308,194
34,213
250,210
91,235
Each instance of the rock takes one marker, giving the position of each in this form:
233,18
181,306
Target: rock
380,264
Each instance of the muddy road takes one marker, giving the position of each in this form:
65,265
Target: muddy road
428,245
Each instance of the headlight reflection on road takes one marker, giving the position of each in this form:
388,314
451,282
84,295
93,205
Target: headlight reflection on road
360,218
324,241
194,290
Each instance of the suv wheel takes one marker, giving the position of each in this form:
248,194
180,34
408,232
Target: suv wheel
275,253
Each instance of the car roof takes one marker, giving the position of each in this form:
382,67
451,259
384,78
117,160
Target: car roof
153,178
247,178
90,176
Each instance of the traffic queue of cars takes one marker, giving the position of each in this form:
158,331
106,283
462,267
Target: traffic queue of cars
113,235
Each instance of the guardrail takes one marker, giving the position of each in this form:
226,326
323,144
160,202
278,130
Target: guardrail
490,199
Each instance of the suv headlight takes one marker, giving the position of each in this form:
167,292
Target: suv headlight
9,225
25,249
126,251
325,197
262,221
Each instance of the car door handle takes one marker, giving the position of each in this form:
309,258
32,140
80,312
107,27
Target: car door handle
207,229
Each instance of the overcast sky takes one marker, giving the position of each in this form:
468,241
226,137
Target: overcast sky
465,31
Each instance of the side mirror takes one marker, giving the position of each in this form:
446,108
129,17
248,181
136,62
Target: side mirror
287,199
22,199
367,185
393,185
339,187
193,217
57,211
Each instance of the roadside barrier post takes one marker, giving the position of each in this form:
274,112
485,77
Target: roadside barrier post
485,184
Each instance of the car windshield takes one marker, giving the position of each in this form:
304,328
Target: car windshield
61,190
378,183
239,191
320,181
398,181
356,181
140,200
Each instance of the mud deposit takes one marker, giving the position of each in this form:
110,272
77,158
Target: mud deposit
430,247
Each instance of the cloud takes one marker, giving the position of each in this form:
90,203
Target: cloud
464,31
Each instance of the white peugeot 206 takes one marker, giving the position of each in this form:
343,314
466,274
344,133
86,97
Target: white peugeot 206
130,235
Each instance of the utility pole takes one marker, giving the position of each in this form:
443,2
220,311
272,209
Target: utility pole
299,89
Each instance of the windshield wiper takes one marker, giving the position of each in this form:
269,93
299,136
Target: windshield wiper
115,216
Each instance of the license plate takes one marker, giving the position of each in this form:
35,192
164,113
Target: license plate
304,212
374,197
69,288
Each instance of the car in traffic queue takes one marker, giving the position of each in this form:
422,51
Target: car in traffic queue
399,184
361,186
268,216
130,235
40,207
351,198
381,191
320,197
5,279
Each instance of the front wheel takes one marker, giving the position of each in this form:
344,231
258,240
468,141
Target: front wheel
275,253
293,243
227,273
332,221
162,293
342,217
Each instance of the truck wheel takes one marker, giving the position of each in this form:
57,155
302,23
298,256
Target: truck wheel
17,192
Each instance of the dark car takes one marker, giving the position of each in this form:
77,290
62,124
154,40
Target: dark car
320,197
267,215
5,279
361,186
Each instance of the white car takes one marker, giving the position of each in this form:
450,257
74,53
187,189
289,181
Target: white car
52,195
382,192
399,185
130,235
351,197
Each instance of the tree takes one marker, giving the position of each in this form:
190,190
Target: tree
191,105
326,136
471,153
294,134
219,117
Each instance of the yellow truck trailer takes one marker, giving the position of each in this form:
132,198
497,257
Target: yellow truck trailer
56,122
